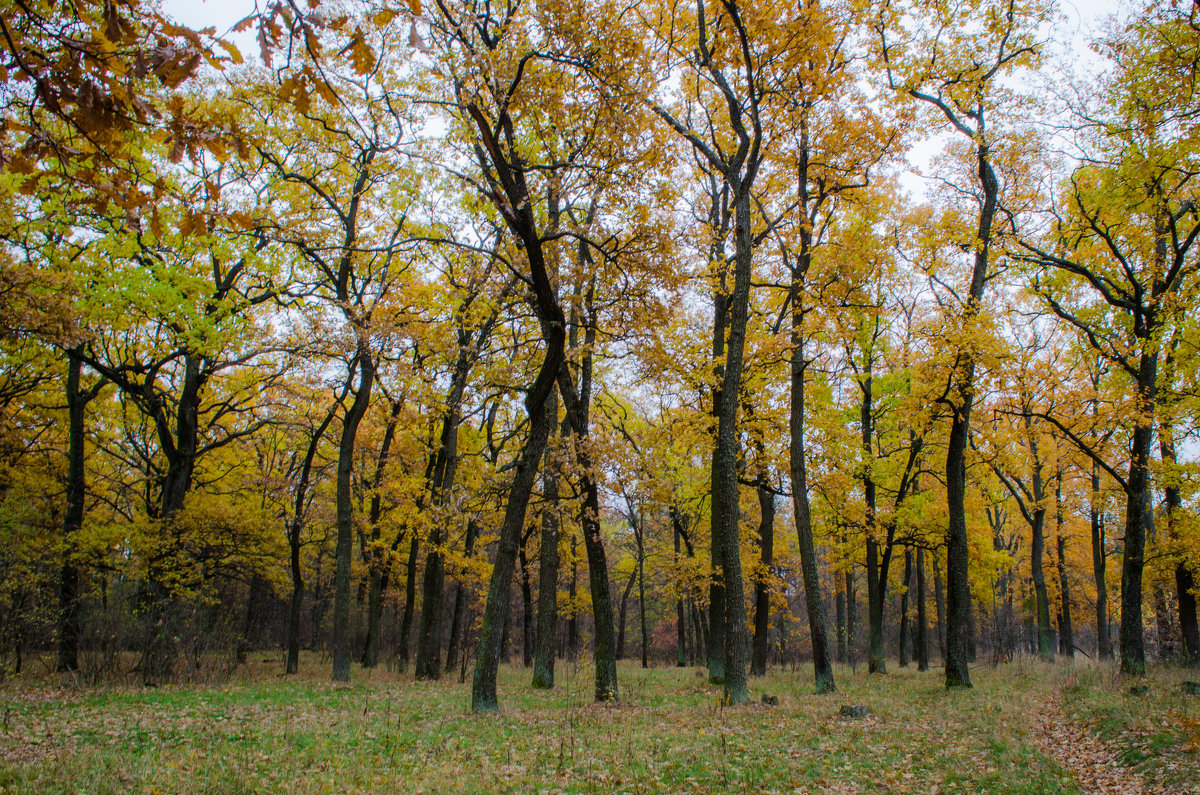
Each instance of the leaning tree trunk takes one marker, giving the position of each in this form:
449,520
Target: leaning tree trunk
483,687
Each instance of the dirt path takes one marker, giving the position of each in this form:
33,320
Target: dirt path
1093,763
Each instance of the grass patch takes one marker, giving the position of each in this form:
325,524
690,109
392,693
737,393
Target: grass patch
383,732
1157,734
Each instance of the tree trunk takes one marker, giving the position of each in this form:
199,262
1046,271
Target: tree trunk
641,575
716,590
1045,640
547,609
69,627
526,607
1184,578
922,622
579,406
345,515
939,604
681,644
457,624
762,591
801,507
1099,564
1066,628
410,601
621,616
840,607
903,650
958,590
572,590
1133,651
851,616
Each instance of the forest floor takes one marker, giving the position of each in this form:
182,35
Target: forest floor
1026,727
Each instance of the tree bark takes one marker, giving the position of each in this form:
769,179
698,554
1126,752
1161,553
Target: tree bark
922,638
345,513
410,602
1184,578
798,472
547,612
457,624
762,591
1133,651
903,650
1104,649
70,630
622,613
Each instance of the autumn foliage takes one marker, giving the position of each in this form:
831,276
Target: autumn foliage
438,334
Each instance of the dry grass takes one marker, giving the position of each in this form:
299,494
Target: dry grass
261,732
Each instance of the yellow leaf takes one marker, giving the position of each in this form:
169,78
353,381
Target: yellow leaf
385,16
234,54
415,7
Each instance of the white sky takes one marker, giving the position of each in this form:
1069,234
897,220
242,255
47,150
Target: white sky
1082,20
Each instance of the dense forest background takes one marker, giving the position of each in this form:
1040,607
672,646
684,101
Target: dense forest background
438,334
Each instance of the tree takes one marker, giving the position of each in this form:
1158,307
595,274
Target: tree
1117,250
956,62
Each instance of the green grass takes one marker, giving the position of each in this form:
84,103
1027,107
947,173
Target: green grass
383,732
1156,734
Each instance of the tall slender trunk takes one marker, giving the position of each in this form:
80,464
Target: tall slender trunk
1066,628
641,575
1045,632
69,624
572,590
851,617
547,610
579,406
958,586
840,607
457,623
681,644
410,601
345,513
798,471
939,603
716,590
526,605
1104,649
762,591
622,613
374,557
922,635
1133,651
876,574
1184,576
903,650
